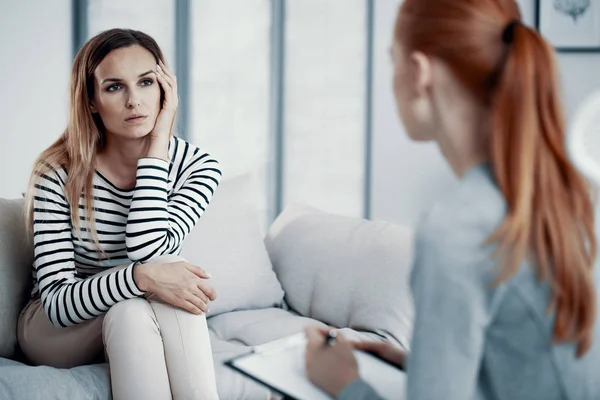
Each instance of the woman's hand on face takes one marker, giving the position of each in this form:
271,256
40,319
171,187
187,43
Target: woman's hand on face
384,350
329,367
180,284
163,127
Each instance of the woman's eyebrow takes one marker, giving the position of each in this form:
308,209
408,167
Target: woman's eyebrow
120,80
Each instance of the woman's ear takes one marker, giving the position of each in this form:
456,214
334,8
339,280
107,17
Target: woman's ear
422,73
93,107
421,70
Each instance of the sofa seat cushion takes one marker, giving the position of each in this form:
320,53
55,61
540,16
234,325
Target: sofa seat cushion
20,381
231,384
256,327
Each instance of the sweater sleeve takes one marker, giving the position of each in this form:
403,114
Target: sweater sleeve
157,222
358,390
68,300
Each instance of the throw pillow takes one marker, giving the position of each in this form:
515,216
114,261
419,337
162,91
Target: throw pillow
227,242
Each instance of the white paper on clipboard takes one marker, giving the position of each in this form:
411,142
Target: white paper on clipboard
280,365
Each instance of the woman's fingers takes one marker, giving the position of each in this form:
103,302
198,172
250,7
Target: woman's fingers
172,79
314,335
166,88
201,289
201,273
384,350
165,77
369,346
325,331
200,294
168,78
375,348
190,307
208,290
197,303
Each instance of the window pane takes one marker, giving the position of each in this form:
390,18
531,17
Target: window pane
154,17
324,120
229,111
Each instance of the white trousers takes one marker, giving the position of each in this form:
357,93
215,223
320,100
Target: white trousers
155,350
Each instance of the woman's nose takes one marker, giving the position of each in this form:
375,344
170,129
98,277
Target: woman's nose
133,101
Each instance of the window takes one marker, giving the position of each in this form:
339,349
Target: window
229,73
231,92
324,120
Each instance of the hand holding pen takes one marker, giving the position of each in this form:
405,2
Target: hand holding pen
330,362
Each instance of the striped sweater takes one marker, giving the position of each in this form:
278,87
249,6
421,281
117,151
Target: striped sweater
133,225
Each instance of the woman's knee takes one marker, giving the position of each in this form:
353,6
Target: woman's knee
132,314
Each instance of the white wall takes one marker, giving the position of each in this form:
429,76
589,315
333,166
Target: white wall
409,177
35,43
579,71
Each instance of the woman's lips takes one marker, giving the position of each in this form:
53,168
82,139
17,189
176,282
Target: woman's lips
136,120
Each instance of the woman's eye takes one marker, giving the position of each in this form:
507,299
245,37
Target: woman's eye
147,82
112,88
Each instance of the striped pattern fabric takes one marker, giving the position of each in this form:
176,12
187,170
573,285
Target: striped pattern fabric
133,225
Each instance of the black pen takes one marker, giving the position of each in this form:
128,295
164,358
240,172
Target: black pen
331,337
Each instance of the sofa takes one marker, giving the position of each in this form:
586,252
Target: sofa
309,267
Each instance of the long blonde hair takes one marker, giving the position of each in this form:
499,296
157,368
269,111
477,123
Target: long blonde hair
550,208
77,147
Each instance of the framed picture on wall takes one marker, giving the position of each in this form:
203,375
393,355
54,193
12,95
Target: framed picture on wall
570,25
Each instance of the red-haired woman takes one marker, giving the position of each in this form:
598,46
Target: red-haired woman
503,280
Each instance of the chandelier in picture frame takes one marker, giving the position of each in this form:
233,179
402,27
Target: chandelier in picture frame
570,25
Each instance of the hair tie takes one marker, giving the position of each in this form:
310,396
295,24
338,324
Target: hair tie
509,32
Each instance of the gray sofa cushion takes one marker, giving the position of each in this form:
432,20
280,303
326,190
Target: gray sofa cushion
22,382
16,258
347,272
256,327
232,385
19,381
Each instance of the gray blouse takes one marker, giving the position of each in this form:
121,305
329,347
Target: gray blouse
473,340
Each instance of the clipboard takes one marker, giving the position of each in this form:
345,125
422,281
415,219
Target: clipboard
279,365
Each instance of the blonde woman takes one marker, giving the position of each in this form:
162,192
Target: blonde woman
110,204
